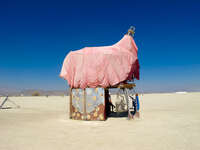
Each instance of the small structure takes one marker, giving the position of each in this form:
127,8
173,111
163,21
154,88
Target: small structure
92,71
14,105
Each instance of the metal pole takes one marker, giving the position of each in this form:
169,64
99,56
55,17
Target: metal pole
4,102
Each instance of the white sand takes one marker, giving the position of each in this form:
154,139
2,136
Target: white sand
168,122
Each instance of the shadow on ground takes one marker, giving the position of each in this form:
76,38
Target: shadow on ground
118,114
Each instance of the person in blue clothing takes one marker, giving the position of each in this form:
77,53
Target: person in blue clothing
137,105
137,101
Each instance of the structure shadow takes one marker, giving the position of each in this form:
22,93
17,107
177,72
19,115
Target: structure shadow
118,114
6,107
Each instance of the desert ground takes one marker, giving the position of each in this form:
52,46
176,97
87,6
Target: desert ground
167,122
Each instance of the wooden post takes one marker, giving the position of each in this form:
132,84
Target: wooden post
84,106
70,104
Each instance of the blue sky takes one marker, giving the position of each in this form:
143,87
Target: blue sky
35,37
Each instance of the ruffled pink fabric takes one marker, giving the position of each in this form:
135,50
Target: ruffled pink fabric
102,66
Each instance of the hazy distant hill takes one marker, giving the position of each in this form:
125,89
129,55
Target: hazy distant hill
44,93
8,91
12,92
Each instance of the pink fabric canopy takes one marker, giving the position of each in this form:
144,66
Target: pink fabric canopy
102,66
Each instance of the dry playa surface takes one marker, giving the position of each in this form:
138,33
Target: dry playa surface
167,122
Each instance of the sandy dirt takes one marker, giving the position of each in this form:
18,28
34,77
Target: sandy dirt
167,122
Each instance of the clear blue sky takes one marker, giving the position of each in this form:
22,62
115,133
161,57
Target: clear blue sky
35,37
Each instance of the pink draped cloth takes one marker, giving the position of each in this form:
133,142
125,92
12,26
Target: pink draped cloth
102,66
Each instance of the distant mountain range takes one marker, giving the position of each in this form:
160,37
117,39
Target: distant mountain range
32,92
